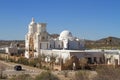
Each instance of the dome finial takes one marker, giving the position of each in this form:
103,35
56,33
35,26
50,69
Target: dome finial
32,22
33,19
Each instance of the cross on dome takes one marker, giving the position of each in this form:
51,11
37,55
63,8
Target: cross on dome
32,22
33,19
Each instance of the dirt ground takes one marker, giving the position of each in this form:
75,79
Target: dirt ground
69,74
63,75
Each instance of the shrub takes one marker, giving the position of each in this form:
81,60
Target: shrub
69,63
83,62
65,73
33,62
22,60
2,75
2,58
11,60
81,75
46,76
107,73
22,77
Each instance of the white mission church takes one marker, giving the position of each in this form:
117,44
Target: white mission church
38,39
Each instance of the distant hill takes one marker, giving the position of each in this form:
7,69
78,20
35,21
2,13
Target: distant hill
20,43
109,42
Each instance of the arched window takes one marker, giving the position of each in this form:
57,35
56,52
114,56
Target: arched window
50,45
40,45
43,38
59,46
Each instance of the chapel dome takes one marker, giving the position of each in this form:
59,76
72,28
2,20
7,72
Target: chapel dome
65,35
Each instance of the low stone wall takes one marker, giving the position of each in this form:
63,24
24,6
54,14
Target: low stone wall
5,56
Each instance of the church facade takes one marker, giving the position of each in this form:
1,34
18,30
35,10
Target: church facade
38,42
38,39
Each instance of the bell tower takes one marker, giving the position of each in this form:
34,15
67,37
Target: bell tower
36,39
42,31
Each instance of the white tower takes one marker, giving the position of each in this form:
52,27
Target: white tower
36,39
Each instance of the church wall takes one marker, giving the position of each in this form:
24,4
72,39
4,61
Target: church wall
44,45
52,44
26,54
74,45
58,44
65,54
34,28
26,42
44,36
58,53
110,58
95,56
41,27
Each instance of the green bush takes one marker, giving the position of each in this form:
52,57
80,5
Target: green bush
33,63
23,61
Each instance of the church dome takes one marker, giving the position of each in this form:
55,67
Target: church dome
65,35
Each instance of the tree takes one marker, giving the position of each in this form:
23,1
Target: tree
83,63
52,60
39,59
72,62
23,60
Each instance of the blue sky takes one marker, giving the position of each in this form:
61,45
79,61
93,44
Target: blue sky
89,19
